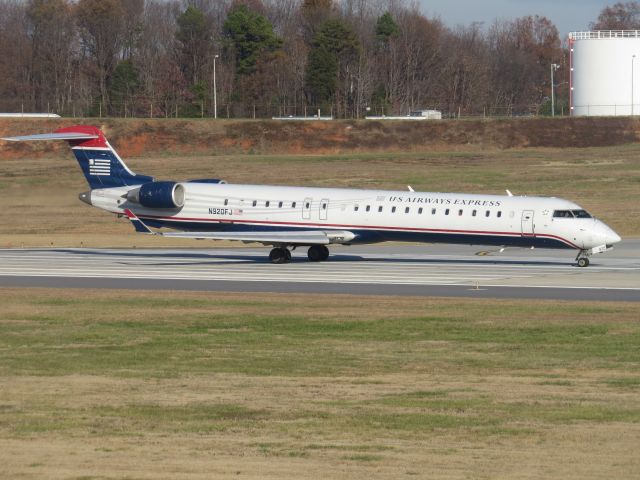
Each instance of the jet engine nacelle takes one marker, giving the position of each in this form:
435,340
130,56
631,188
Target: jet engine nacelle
158,195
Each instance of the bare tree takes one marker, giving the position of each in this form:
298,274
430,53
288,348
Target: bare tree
620,16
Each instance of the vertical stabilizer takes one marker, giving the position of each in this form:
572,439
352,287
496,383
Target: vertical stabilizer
100,163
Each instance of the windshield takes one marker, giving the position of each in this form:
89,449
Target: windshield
581,214
571,214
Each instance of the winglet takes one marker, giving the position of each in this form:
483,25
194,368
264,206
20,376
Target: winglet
137,223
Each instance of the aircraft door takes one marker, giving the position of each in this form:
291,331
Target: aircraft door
324,208
306,208
527,224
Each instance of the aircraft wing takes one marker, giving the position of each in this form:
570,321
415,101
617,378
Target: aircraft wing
268,238
294,237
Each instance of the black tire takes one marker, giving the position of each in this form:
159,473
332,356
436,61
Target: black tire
279,255
583,262
325,253
315,253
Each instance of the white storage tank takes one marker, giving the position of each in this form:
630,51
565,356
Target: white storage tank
605,73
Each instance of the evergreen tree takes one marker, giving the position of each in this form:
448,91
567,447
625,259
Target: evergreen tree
194,37
333,48
123,85
250,35
386,28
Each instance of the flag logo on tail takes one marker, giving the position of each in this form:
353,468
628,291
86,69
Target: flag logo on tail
100,166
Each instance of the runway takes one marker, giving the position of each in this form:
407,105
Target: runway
429,270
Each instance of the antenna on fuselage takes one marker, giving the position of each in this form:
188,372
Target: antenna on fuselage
410,188
509,193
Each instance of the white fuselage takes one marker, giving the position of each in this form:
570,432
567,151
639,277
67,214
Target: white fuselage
374,215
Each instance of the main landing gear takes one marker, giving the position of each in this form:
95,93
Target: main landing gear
316,253
280,255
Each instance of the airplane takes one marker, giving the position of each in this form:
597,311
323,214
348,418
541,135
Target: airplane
286,218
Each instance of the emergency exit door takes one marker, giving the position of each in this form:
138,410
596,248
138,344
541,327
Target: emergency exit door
324,208
306,208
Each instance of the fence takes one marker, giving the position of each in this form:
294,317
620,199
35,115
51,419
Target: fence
145,108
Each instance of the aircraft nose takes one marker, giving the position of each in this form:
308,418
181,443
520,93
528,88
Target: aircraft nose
606,232
613,237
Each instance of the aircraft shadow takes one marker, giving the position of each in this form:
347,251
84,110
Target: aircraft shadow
233,259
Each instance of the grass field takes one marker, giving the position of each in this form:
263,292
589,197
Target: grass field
115,384
40,205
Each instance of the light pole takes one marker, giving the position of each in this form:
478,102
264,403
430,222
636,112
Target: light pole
215,90
554,67
633,57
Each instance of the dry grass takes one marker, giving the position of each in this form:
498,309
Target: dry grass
115,384
40,205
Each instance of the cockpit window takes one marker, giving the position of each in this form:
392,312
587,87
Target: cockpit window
571,214
562,214
581,214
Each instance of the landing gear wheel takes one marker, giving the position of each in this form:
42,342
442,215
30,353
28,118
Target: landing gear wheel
280,255
316,253
583,262
325,253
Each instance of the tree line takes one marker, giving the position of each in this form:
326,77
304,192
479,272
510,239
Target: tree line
346,58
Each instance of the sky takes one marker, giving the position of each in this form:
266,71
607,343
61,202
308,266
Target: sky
567,15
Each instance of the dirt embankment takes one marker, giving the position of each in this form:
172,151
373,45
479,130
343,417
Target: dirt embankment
138,137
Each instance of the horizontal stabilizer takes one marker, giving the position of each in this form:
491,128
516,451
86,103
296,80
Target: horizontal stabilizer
52,136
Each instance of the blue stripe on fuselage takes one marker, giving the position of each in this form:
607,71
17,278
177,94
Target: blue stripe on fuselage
373,236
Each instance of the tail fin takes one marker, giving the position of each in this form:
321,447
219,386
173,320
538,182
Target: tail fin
101,165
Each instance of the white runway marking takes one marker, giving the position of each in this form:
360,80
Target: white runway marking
346,267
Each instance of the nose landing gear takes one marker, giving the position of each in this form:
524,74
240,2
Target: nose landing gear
582,259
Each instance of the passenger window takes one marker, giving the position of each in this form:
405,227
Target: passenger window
368,209
406,210
324,206
433,211
420,211
267,203
226,201
499,214
473,214
307,205
280,205
393,209
293,205
460,212
380,209
446,212
487,213
356,208
255,202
